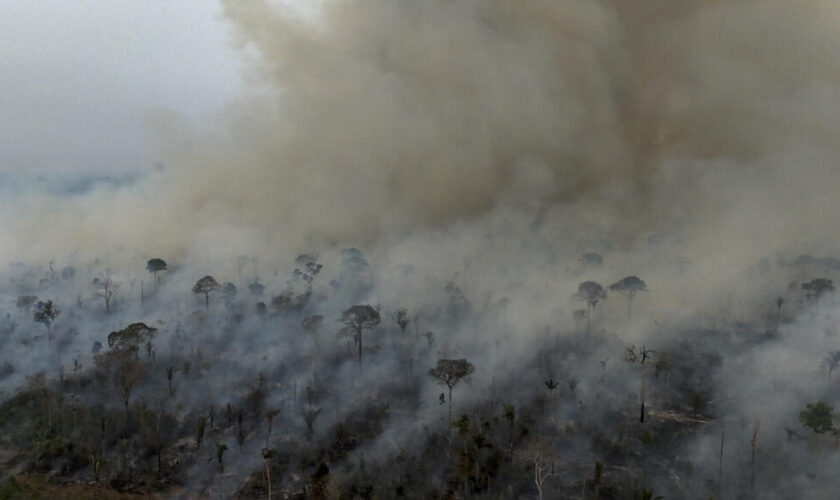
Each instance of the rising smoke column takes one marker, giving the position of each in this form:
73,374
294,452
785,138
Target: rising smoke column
377,117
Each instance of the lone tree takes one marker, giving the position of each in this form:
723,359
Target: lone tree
818,287
357,319
309,417
154,266
267,455
629,287
817,417
46,312
204,286
449,372
106,288
220,452
641,356
831,362
538,451
591,293
120,361
401,319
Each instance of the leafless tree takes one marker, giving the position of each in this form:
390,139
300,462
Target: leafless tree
267,455
831,362
538,452
106,288
642,356
401,319
309,417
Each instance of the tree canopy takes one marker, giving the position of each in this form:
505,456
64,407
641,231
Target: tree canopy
629,285
131,337
204,286
818,287
46,312
591,293
449,372
360,317
156,265
817,417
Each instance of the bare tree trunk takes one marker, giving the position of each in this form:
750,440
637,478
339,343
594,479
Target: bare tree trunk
359,333
268,478
720,462
206,301
752,458
642,395
125,403
450,407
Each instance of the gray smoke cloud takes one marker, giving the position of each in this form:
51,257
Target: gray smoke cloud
491,143
711,118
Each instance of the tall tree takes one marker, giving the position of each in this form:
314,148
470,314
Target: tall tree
538,452
358,318
267,455
106,288
45,313
591,293
401,319
155,266
831,362
204,286
449,372
642,356
629,287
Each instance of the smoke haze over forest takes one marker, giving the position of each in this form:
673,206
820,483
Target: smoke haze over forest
472,153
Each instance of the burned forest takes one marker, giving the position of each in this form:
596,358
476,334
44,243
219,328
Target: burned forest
420,249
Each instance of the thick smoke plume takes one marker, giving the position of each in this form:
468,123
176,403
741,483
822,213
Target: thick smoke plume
474,150
717,119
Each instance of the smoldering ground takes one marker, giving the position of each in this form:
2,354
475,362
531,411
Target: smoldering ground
489,144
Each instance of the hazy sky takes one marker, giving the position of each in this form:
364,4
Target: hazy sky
79,78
